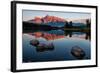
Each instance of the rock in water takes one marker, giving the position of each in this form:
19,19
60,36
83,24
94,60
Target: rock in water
41,47
77,52
34,42
50,46
44,47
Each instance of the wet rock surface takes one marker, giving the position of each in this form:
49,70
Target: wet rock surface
41,47
78,52
34,42
44,47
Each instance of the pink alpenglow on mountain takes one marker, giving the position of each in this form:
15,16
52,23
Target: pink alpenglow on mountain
48,19
37,20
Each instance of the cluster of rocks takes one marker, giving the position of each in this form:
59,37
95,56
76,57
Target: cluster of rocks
40,47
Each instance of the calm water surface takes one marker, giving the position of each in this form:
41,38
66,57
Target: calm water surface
63,42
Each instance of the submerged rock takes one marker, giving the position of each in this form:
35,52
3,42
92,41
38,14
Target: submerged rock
40,47
34,42
44,47
78,52
50,46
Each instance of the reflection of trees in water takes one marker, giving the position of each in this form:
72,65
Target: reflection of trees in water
88,23
70,33
88,36
87,28
49,36
52,35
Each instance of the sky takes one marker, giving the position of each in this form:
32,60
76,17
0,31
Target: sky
30,14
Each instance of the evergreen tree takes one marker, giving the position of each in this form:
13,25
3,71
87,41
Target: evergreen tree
88,23
66,24
70,23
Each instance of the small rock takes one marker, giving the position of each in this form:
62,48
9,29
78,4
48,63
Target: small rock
34,42
44,47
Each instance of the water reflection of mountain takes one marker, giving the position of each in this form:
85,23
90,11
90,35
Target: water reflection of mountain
57,34
47,36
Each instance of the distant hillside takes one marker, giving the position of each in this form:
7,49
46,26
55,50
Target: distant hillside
80,20
78,24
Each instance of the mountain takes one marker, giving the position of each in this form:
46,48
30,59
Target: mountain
54,21
47,19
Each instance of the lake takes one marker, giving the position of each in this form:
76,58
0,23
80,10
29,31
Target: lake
62,43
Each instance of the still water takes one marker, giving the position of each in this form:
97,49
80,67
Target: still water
62,41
